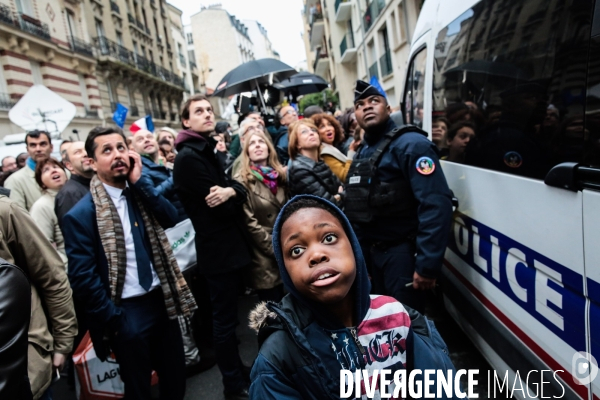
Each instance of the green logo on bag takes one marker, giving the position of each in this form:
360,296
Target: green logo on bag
180,241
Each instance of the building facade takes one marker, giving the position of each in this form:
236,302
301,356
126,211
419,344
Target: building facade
186,65
221,42
136,56
259,38
346,40
94,54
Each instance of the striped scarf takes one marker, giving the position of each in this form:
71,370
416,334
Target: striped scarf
178,298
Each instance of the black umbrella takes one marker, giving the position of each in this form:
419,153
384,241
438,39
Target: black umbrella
303,83
250,75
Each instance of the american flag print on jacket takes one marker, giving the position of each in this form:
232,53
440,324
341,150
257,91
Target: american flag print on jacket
382,336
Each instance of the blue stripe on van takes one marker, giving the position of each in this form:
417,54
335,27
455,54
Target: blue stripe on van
547,290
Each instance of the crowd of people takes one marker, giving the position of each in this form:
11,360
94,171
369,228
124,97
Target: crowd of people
323,217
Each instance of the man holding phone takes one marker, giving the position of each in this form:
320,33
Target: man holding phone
123,271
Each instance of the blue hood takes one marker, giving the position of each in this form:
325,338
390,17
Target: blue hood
361,287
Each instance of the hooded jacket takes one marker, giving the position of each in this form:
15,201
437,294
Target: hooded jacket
303,347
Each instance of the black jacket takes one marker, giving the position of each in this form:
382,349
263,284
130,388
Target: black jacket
15,297
308,177
220,231
73,191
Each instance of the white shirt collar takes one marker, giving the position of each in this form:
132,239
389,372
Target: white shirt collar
113,192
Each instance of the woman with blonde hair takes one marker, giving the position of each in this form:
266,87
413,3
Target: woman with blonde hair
265,181
308,174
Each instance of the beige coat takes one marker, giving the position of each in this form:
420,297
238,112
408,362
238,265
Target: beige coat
261,210
43,214
23,244
23,188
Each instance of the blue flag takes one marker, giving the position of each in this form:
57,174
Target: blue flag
375,83
120,115
149,123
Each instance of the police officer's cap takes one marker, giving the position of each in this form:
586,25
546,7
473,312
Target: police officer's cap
364,90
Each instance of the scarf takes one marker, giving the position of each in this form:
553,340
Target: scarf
178,298
266,175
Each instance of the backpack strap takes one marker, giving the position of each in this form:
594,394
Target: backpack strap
389,137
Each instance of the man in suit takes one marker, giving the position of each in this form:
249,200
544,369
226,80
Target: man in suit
122,269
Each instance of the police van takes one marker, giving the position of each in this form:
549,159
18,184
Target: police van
522,268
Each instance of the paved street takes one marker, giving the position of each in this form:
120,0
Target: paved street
207,385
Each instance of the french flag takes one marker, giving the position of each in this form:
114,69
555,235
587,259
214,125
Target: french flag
142,123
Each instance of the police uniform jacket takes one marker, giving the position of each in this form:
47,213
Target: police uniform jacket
430,222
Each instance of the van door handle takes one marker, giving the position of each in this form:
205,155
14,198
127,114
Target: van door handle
574,177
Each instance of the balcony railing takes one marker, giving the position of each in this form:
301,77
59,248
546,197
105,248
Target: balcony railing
373,11
386,63
114,7
34,26
182,60
338,2
373,71
318,17
24,22
5,101
6,15
347,43
133,111
79,46
109,48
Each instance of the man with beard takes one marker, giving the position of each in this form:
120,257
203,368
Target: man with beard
24,190
214,203
77,161
398,200
122,269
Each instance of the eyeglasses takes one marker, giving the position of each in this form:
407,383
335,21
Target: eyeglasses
251,128
288,112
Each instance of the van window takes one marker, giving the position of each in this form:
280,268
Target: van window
517,72
414,94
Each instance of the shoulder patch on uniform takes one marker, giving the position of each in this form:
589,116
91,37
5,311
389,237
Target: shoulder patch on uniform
425,166
513,159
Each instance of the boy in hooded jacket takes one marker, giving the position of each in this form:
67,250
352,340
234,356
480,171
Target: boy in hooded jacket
329,322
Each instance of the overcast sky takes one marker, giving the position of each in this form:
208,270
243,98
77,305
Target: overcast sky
281,18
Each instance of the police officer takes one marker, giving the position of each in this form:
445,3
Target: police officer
398,201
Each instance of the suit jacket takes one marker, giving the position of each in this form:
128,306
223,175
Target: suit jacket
88,266
73,191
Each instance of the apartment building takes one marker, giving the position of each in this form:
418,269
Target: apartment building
260,40
221,42
186,65
137,63
346,40
95,54
47,43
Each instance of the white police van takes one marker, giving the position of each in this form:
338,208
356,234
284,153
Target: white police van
522,269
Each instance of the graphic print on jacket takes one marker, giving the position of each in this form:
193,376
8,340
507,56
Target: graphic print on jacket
382,335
